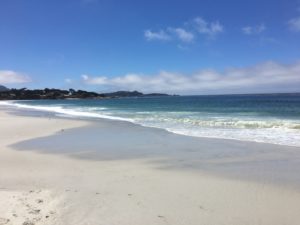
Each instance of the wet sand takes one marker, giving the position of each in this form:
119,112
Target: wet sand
61,171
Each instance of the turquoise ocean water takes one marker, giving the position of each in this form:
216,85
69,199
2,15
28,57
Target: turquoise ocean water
262,118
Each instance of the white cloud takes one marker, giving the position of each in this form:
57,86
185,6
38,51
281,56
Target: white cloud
12,77
68,80
209,28
182,34
94,80
265,77
160,35
294,24
250,30
188,32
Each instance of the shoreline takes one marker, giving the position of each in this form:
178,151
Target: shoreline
134,190
222,152
33,111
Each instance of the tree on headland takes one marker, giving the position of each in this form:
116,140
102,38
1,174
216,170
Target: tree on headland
52,93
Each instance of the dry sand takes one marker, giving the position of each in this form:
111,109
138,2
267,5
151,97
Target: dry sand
38,188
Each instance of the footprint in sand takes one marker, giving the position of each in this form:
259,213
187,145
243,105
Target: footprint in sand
39,201
35,211
28,223
3,221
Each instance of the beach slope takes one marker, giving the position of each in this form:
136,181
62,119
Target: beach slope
38,187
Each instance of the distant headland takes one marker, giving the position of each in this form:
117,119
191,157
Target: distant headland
52,93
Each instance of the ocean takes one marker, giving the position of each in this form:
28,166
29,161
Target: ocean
269,118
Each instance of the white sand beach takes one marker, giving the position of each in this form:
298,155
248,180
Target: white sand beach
38,187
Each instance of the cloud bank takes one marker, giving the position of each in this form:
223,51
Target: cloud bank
12,77
265,77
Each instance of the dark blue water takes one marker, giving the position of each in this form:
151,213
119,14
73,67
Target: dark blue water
262,118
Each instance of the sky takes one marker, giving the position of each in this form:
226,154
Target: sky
171,46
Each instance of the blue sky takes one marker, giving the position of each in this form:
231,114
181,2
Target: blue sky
169,46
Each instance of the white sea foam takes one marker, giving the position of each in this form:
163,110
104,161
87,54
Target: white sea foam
75,112
267,130
274,136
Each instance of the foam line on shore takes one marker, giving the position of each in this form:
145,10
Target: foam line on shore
61,110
